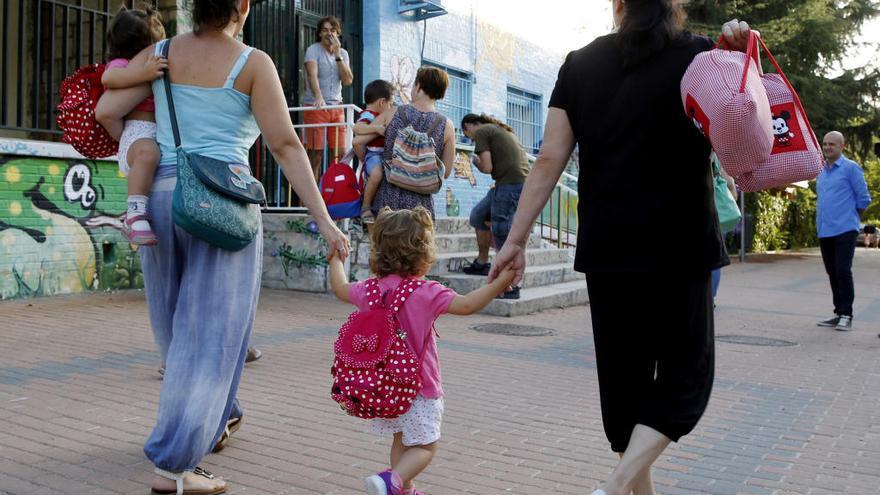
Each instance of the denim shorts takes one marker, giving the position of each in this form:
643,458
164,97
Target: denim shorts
481,213
372,159
504,203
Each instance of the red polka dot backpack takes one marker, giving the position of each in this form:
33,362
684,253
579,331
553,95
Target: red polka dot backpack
375,374
76,113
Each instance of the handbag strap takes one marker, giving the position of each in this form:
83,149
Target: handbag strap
167,79
797,100
751,54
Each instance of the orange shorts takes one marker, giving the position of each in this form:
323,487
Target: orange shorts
314,136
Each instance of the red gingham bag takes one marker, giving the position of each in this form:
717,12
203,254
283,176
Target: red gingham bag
76,113
796,154
722,93
375,375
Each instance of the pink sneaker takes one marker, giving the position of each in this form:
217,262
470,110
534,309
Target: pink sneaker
384,483
141,237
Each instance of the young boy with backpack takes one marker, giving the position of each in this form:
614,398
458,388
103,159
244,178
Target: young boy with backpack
370,141
386,367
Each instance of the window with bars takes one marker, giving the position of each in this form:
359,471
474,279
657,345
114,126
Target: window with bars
459,96
41,43
525,112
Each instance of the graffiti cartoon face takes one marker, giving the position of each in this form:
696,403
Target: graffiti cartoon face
38,187
78,186
50,214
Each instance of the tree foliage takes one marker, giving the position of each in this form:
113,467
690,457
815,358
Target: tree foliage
810,38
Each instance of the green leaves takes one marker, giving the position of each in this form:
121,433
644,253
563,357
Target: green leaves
810,38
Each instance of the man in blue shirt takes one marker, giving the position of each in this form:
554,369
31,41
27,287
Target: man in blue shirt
842,199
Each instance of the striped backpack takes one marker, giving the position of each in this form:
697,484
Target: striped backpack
414,163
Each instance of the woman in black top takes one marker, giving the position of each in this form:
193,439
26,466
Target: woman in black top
644,167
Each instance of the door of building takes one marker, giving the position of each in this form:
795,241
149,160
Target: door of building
284,29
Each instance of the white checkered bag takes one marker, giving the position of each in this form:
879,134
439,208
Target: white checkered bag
796,154
723,94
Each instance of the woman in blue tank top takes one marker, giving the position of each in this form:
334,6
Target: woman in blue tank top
202,299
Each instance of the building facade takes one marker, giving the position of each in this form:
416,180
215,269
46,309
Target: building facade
491,71
60,214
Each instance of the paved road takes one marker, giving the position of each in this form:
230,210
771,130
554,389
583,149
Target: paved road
78,394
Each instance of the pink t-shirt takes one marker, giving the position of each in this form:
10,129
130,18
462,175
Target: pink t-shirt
416,317
148,105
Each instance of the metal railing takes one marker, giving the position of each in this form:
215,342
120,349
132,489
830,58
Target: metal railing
558,221
279,193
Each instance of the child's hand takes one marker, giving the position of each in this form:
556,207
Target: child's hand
154,67
507,274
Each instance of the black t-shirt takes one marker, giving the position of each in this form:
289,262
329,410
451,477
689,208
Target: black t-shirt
646,199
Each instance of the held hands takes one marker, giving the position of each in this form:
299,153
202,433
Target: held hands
736,34
337,243
154,67
511,258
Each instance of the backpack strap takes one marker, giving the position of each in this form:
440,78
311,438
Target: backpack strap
374,293
399,297
404,118
435,124
402,292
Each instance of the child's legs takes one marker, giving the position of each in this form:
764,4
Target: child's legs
373,164
410,461
143,158
139,155
115,104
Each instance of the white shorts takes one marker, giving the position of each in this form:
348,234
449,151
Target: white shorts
133,130
420,425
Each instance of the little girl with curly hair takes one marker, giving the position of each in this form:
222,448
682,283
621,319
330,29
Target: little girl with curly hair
402,249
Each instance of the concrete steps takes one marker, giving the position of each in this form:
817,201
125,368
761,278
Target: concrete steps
453,262
535,276
467,241
534,299
549,280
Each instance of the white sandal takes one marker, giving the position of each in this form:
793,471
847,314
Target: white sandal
178,481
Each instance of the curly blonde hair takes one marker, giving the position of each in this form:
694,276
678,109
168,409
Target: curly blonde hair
402,242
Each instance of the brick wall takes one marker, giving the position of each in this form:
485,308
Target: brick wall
496,59
60,220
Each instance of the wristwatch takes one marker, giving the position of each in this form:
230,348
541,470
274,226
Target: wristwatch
339,59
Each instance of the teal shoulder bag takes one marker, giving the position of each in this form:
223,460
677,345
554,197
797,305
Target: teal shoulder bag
214,200
728,211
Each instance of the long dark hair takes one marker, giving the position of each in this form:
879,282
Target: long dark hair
473,118
649,26
132,30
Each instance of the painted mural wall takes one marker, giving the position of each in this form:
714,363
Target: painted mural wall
494,58
60,223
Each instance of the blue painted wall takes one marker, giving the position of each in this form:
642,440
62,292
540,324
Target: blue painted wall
465,42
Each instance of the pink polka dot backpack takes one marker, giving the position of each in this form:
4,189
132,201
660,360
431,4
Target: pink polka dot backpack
375,374
76,113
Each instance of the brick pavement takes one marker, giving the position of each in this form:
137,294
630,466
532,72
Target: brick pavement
78,393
